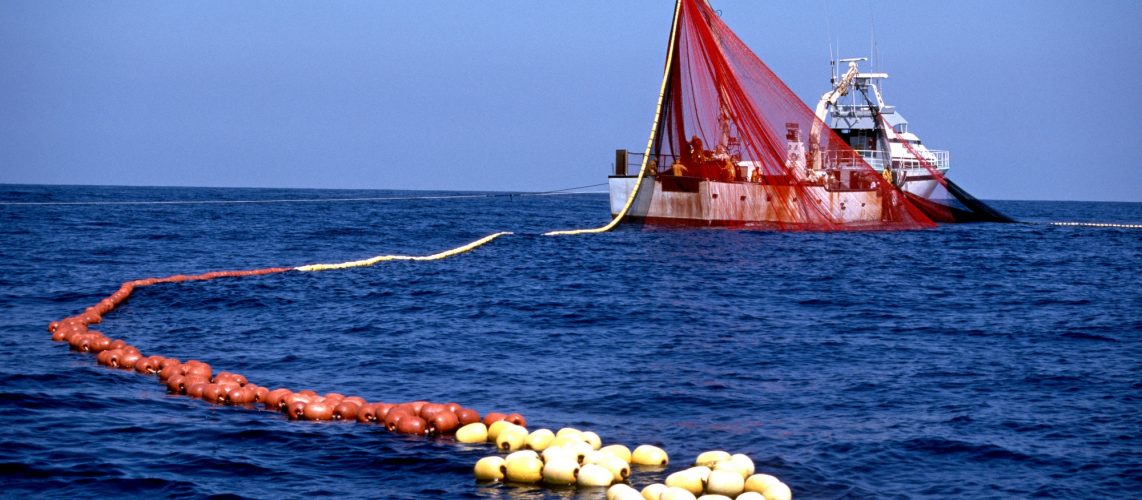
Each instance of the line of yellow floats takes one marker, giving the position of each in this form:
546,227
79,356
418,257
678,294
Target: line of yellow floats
572,457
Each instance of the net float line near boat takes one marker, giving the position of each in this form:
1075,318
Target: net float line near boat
196,379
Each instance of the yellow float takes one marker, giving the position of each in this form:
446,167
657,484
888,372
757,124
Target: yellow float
618,450
592,476
622,491
674,493
711,458
490,469
497,427
523,467
618,468
511,438
539,439
592,439
562,471
745,462
688,479
561,452
654,491
648,455
475,432
770,486
725,482
734,466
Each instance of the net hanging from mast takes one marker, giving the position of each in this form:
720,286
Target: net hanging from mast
728,123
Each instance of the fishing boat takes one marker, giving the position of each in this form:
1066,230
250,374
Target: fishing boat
855,110
717,187
732,145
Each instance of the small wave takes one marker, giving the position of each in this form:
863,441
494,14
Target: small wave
88,470
1061,302
331,232
1087,336
1059,380
977,452
204,464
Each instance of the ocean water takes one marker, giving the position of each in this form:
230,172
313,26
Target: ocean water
967,361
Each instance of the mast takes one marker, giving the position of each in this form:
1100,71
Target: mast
658,114
659,111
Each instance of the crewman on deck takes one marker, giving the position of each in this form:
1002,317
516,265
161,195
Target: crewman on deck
731,171
697,154
678,169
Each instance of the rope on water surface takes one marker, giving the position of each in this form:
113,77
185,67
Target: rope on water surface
385,258
1097,224
237,202
198,380
194,378
556,192
601,466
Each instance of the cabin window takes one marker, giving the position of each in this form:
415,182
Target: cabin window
901,128
862,141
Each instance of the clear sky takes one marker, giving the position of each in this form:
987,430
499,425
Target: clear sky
1035,99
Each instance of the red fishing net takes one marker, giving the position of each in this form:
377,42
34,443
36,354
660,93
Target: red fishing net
946,201
735,146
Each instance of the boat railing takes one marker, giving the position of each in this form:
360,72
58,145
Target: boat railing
939,159
626,162
847,159
934,158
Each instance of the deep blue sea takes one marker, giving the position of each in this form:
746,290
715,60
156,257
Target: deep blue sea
968,361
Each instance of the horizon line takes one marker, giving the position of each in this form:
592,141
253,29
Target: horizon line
569,190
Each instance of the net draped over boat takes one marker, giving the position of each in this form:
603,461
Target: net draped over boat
727,118
948,202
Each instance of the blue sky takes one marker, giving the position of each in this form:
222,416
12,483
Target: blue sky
1035,99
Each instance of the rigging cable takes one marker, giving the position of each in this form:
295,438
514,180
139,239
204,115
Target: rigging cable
649,142
564,191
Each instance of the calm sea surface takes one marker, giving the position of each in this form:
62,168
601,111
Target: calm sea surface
969,361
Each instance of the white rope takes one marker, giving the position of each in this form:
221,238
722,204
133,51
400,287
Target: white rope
1097,224
287,200
224,202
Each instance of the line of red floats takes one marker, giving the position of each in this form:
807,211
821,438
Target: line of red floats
196,379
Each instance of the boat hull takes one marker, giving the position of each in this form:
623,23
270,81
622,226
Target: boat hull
694,201
922,186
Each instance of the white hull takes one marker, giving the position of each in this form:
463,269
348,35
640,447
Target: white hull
923,189
702,202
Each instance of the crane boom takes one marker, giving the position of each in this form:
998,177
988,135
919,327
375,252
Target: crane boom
840,90
830,98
